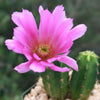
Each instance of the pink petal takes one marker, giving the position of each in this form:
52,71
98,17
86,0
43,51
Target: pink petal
50,22
23,68
69,61
28,54
57,17
45,17
40,9
59,14
53,59
54,67
26,20
58,8
45,63
23,37
62,31
65,26
64,46
36,56
57,57
26,40
37,67
14,45
78,31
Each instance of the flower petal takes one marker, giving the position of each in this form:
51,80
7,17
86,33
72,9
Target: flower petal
57,57
55,68
78,31
59,14
57,18
36,56
26,20
50,22
40,9
61,33
37,67
28,54
59,69
65,26
23,37
23,68
45,17
62,48
14,45
69,61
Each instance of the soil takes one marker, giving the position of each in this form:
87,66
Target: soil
38,93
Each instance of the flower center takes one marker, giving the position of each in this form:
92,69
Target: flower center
44,49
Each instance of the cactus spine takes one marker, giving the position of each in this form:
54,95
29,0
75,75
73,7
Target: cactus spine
82,82
55,83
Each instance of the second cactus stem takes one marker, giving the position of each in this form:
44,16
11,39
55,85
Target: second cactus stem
82,82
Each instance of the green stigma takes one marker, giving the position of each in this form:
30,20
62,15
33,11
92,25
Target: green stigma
44,49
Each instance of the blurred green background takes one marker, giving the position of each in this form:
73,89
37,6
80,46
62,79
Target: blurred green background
13,84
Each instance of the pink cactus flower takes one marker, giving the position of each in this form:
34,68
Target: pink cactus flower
47,44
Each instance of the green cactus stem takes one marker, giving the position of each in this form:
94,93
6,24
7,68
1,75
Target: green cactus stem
55,83
82,82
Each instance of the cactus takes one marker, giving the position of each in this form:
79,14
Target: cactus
56,83
82,82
